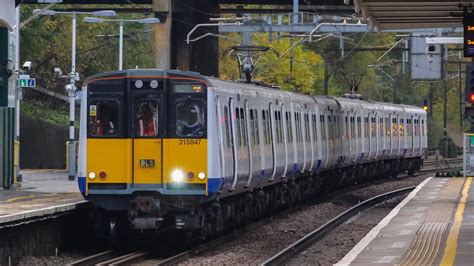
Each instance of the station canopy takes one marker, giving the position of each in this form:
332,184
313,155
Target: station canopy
399,14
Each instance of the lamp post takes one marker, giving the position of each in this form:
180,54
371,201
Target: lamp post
73,77
121,23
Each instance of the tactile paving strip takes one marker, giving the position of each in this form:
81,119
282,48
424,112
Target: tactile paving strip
428,243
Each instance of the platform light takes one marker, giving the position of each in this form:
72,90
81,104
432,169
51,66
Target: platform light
92,175
201,175
177,176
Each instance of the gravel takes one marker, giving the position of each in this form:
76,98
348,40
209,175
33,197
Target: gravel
338,243
256,246
61,259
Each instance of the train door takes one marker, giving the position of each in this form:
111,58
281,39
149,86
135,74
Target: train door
225,132
348,135
242,151
398,141
284,121
304,127
147,138
377,135
271,118
312,133
249,135
413,133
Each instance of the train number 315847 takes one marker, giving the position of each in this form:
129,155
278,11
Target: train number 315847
189,142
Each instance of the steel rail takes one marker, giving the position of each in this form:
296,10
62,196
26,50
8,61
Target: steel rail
110,257
93,259
303,243
123,259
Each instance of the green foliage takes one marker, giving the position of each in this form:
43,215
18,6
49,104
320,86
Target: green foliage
307,65
47,42
44,111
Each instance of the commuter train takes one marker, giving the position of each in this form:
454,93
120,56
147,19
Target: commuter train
170,149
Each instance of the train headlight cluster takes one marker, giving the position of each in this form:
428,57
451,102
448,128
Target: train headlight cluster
201,175
177,176
91,175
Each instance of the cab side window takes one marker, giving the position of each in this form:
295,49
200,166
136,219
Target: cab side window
103,118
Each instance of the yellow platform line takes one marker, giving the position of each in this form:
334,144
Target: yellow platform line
19,198
452,242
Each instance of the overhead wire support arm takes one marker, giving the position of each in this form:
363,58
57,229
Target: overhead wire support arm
391,48
319,26
220,22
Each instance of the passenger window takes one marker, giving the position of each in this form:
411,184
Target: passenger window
190,117
266,126
315,132
243,120
238,129
227,126
255,126
307,130
366,128
359,127
323,127
289,127
147,113
402,127
103,118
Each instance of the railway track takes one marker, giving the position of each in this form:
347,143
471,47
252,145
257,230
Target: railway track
110,257
308,240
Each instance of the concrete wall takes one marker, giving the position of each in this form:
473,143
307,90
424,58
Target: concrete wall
43,145
177,19
70,232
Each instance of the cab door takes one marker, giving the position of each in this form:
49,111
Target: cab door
147,138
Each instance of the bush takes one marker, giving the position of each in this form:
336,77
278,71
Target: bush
452,148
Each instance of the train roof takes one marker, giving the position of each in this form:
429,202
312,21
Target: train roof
251,88
148,73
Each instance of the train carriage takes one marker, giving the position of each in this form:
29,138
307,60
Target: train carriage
164,148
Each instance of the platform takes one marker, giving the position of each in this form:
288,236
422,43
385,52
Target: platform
42,193
433,225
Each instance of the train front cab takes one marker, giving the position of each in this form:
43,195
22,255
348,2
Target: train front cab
144,147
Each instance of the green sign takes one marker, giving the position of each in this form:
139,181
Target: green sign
472,140
27,83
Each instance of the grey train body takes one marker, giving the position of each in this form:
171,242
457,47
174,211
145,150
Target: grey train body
260,136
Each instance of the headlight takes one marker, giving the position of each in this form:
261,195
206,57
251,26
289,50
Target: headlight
201,175
177,176
91,175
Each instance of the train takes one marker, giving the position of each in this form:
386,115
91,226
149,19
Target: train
174,150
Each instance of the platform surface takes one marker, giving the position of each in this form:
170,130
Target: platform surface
41,193
434,225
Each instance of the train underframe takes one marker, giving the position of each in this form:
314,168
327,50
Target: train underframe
153,214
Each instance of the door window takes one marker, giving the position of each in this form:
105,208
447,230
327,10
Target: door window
147,118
